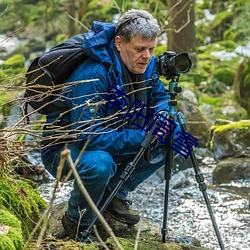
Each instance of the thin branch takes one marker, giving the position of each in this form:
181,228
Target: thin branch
77,21
67,155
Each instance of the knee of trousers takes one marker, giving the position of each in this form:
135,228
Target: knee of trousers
98,165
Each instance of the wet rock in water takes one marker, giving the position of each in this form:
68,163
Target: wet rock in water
181,179
231,169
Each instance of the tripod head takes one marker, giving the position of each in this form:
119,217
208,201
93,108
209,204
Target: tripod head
174,89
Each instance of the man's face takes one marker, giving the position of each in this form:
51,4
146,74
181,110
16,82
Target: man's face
137,53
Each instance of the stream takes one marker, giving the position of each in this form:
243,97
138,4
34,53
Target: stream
187,212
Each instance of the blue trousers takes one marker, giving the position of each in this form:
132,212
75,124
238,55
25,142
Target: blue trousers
99,171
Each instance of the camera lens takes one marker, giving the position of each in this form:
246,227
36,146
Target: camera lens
182,63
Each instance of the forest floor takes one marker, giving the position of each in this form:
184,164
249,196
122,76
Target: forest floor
144,236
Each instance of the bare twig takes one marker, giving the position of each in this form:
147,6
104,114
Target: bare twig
99,238
77,21
67,155
137,236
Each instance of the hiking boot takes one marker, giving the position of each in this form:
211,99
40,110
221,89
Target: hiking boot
75,231
121,211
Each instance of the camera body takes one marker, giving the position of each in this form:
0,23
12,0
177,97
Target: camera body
171,65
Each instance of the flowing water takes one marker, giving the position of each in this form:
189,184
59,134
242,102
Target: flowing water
187,212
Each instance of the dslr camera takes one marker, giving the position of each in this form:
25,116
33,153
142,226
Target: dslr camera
171,65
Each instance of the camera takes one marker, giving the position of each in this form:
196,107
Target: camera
171,65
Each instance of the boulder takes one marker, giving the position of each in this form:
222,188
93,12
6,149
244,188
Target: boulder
149,238
230,143
230,140
231,169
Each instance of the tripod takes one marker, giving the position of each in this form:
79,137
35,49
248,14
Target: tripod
169,164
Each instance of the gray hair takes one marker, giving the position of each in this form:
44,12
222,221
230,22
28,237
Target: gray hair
137,22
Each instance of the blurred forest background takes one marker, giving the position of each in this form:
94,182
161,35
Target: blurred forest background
215,34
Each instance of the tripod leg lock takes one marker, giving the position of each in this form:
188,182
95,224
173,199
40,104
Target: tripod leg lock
200,180
127,172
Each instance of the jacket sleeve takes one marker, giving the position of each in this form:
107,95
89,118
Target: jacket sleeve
88,114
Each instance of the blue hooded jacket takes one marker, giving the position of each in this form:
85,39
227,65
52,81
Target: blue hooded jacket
89,118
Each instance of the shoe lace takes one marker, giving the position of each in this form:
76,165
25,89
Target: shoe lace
127,203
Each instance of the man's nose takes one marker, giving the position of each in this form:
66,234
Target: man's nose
146,54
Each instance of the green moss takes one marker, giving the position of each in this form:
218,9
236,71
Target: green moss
9,219
128,244
21,199
13,71
228,45
219,131
16,237
13,239
225,75
6,243
16,61
236,125
214,101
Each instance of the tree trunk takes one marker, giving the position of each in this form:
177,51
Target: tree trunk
71,6
83,7
181,27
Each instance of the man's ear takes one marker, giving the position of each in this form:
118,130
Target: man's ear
118,42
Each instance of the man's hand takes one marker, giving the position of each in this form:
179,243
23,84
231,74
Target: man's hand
164,125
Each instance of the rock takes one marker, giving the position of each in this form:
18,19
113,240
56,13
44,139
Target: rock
149,237
181,179
195,122
231,139
231,169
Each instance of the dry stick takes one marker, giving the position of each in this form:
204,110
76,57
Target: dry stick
137,236
99,238
66,154
45,217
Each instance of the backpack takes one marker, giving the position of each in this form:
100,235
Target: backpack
47,74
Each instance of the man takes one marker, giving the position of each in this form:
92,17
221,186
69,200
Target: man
119,60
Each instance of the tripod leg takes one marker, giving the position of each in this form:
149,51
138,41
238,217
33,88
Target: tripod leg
202,186
124,176
169,163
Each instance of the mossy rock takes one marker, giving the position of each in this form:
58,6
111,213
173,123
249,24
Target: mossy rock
11,237
16,61
230,140
22,200
128,244
219,107
150,235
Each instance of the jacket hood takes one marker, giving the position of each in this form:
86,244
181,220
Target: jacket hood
98,43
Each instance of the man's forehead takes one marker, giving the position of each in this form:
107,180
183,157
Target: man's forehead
139,40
